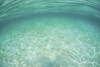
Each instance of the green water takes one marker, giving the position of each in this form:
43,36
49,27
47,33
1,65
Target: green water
53,33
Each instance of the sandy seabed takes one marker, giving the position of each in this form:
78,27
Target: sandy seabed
50,42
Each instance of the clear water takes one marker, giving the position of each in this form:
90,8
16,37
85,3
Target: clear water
53,33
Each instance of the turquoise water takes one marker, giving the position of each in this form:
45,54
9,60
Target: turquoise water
53,33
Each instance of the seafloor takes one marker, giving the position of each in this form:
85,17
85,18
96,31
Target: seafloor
50,42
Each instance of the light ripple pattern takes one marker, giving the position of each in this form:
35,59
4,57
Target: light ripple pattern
50,42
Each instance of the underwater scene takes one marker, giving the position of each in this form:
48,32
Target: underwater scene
49,33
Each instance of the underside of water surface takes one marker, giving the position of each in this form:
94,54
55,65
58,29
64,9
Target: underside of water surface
49,33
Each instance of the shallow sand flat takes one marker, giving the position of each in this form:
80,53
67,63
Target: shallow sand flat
50,42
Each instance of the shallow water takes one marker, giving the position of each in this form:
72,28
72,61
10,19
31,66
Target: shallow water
53,33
